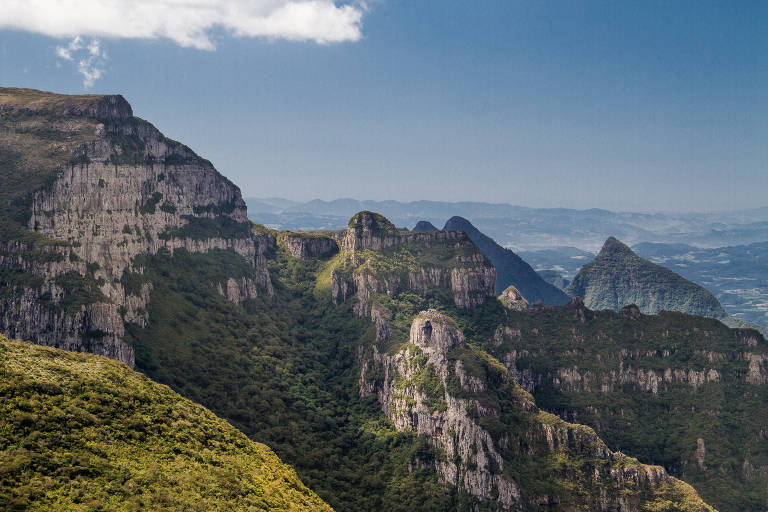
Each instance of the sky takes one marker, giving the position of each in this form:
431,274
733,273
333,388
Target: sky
642,106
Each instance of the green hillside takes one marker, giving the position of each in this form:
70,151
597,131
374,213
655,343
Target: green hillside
681,391
618,277
81,432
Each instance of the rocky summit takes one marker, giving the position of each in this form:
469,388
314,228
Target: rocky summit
381,364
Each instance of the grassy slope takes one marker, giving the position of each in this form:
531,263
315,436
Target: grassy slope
82,432
658,429
618,276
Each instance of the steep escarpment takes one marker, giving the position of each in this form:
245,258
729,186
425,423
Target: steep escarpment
90,188
618,277
496,446
377,259
510,268
681,391
310,245
82,432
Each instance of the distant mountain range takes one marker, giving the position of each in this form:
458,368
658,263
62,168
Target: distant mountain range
528,229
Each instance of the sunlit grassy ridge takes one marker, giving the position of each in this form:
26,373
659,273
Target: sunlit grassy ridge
82,432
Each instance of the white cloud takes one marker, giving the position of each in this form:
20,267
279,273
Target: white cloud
188,23
88,55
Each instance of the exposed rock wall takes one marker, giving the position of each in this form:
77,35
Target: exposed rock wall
425,387
309,247
678,390
131,191
468,275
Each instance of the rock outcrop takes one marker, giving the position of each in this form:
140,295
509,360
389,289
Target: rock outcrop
513,299
308,246
380,259
428,387
125,190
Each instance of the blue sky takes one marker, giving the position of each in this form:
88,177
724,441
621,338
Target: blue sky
612,104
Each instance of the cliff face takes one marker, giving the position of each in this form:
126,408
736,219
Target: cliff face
309,246
378,259
618,277
681,391
489,431
122,190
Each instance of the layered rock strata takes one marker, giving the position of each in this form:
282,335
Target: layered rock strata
377,258
126,191
428,387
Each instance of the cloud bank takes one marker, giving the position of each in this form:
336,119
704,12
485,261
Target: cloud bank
188,23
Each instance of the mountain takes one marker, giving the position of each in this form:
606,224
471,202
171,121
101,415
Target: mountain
617,277
87,188
510,268
83,432
376,361
424,226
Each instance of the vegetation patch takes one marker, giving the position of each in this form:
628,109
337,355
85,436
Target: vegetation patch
82,432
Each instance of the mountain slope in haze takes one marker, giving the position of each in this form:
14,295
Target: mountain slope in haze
510,268
527,228
618,277
424,226
83,432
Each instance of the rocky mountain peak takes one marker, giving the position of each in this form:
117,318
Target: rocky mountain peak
457,223
613,245
371,222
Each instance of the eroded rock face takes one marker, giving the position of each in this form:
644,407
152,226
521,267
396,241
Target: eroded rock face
616,371
128,192
307,247
467,273
425,387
